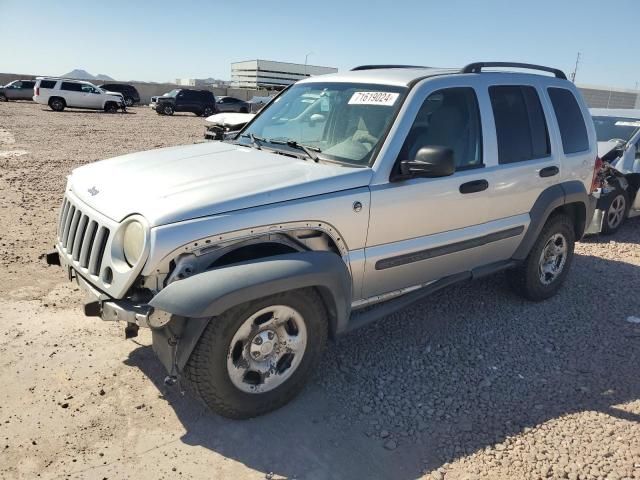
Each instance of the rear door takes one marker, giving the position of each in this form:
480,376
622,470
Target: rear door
527,160
72,94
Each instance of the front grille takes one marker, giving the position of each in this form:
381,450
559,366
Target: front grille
81,238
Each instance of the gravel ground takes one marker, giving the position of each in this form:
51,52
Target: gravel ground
472,383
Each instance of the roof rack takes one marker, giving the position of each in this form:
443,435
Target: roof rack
478,66
378,67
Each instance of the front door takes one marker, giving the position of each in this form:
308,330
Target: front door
423,229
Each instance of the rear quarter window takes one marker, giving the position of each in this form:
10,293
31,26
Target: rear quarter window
71,87
47,83
573,130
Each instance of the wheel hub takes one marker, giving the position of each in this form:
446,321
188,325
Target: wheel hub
553,258
263,345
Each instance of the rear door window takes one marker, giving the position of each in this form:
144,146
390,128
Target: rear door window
71,86
521,128
570,120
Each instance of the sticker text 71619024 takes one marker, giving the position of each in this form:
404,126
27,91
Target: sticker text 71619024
373,98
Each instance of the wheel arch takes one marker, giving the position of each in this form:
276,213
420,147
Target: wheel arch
196,300
570,198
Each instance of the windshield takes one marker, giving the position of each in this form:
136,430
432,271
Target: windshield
610,128
172,93
343,122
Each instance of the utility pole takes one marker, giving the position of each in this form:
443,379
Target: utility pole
575,70
306,57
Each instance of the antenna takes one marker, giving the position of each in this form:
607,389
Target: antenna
575,70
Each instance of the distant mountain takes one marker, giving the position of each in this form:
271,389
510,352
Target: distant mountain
80,74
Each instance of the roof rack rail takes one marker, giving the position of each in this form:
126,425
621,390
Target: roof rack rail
378,67
478,66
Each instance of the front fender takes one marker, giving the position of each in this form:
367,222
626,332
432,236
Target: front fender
211,293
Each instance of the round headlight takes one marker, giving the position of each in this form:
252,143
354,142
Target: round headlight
133,242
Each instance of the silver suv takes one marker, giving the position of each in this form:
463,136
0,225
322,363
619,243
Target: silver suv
348,197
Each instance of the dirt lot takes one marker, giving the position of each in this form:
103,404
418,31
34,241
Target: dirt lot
472,383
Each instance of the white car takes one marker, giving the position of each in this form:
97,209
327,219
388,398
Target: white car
618,133
60,93
222,124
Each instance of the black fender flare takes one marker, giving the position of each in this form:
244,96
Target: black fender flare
570,192
196,300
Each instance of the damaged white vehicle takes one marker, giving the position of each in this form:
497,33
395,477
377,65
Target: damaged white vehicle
221,125
348,197
618,132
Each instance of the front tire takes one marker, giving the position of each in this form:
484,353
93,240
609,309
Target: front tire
257,356
3,98
543,272
167,110
111,107
615,211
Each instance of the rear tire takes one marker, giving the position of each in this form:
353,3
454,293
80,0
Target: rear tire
128,101
225,367
207,112
3,98
57,104
544,270
615,211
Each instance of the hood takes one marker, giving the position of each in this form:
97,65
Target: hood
230,119
117,94
606,147
180,183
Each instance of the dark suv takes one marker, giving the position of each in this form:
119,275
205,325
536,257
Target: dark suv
129,92
200,102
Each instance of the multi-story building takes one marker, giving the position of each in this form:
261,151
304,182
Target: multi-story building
270,74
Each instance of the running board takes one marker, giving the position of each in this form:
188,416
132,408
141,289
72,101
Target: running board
371,314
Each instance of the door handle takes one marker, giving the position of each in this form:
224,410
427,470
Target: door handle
474,186
549,171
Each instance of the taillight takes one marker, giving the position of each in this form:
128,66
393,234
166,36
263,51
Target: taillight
37,91
596,181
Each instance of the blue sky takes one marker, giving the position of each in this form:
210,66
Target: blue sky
164,40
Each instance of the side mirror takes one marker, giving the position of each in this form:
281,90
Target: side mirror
430,162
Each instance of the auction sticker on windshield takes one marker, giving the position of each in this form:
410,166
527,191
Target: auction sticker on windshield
386,99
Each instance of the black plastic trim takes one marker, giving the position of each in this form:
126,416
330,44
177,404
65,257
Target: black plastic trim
447,249
380,67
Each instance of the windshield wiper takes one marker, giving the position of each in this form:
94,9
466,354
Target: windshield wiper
308,149
255,141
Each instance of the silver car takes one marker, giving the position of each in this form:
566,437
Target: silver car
17,90
348,197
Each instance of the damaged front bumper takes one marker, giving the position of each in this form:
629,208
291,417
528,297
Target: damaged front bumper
99,304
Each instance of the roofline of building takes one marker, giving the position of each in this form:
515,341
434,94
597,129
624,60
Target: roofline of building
278,61
607,89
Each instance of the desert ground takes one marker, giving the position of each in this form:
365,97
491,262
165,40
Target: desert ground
472,383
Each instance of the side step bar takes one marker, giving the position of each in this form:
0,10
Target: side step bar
371,314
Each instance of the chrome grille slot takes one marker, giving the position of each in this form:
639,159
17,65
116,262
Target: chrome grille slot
99,244
80,232
72,230
67,225
63,216
89,237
